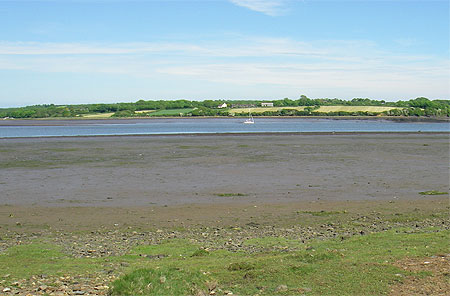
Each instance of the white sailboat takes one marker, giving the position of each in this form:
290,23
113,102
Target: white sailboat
249,120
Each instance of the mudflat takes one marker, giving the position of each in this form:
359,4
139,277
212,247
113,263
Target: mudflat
92,181
137,171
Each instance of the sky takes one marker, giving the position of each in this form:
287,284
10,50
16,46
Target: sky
105,51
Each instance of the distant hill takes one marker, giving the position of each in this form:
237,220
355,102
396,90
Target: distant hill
303,106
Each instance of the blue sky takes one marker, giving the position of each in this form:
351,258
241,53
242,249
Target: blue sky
80,51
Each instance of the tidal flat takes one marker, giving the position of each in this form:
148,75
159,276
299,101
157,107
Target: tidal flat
225,215
145,171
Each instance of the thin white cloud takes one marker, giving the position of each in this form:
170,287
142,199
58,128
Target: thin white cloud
244,47
268,7
37,48
279,64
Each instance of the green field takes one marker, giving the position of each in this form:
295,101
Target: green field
171,112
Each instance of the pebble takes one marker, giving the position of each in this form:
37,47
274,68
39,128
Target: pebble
281,288
42,288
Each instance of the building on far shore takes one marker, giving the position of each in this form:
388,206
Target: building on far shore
224,105
266,104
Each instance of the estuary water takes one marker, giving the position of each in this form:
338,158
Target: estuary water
212,126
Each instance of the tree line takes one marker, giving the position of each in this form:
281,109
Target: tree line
416,107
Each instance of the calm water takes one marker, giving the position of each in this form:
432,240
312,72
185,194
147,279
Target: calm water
222,125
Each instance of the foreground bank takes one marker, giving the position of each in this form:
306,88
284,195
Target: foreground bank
351,248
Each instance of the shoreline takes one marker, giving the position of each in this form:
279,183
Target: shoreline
243,134
131,120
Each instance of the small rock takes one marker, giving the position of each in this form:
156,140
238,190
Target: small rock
281,288
304,290
162,279
42,288
6,290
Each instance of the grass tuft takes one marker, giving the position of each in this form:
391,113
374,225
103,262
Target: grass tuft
164,281
237,266
200,253
432,192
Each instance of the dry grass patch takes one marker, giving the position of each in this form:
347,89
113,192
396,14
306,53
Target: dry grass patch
437,283
98,115
264,109
354,109
144,111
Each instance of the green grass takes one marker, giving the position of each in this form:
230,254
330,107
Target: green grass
38,258
432,192
361,265
171,112
161,281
